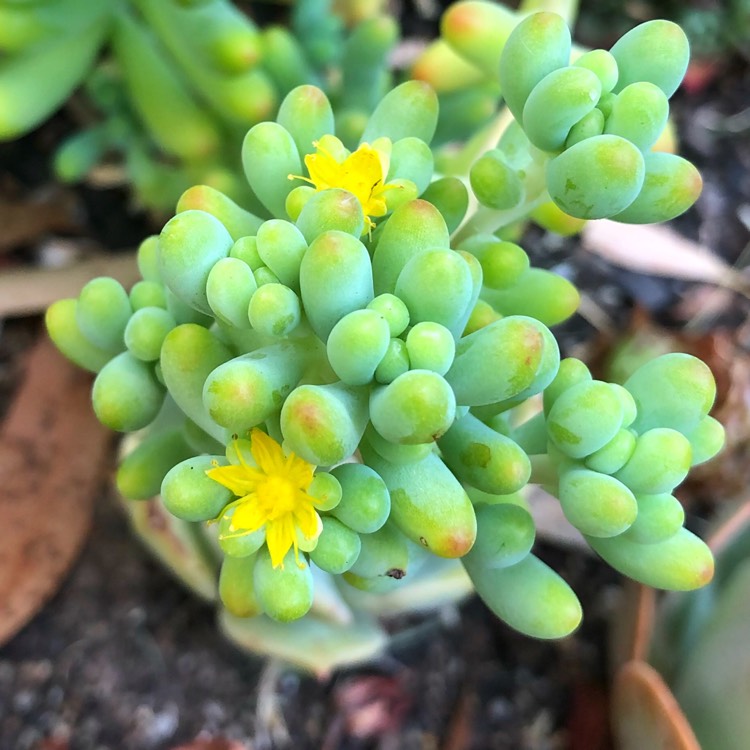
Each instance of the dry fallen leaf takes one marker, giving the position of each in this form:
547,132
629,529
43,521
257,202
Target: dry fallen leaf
52,457
551,524
729,528
30,290
726,476
659,251
632,624
646,714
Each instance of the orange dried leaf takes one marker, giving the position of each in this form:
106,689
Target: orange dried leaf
646,714
632,624
52,457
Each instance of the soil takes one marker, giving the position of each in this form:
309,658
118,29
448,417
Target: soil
123,657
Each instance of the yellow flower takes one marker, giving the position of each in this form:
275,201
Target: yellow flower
272,494
362,173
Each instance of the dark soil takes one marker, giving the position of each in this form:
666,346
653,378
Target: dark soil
124,658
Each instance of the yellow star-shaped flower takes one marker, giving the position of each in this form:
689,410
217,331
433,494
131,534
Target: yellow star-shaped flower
362,173
272,494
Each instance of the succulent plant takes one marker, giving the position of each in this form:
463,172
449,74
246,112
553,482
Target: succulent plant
326,397
715,30
175,85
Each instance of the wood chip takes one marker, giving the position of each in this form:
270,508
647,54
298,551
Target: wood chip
458,734
52,457
373,705
30,291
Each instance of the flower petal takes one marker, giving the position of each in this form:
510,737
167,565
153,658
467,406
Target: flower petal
324,170
267,453
298,471
279,538
306,519
309,543
248,516
240,453
237,479
365,164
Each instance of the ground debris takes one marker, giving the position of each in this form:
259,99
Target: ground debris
52,456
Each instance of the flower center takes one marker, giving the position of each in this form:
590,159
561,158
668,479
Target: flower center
362,173
278,495
271,490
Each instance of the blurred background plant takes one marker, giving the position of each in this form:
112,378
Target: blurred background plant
716,28
159,133
169,89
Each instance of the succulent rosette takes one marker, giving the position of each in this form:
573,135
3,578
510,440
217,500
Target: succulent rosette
326,397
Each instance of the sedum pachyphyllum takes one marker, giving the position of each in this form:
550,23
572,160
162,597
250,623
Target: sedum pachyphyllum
272,496
401,385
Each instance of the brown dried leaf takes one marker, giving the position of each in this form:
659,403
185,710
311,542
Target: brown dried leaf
727,475
52,457
632,624
729,528
212,743
645,713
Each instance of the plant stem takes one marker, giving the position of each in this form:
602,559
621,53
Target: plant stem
542,470
488,221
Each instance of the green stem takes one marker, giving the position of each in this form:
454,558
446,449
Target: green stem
459,163
480,219
488,221
543,471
